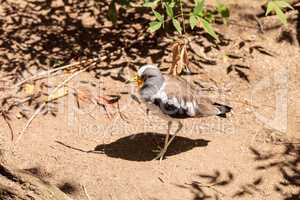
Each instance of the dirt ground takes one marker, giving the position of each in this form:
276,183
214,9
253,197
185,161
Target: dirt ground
254,153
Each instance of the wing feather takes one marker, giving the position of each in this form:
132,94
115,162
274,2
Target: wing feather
186,98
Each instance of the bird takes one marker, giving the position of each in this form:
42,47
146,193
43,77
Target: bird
173,98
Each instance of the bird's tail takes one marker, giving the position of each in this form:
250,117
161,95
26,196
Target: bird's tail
223,109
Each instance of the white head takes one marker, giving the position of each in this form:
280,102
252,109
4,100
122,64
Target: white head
149,80
141,70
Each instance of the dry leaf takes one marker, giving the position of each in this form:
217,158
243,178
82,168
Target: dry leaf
225,58
29,89
175,52
106,104
58,94
180,58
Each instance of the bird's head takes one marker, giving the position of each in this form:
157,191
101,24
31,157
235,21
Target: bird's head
145,72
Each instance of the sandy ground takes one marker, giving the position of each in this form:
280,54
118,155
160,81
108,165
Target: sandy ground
245,156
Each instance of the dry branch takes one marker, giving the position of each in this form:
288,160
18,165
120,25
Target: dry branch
20,185
47,73
86,193
40,108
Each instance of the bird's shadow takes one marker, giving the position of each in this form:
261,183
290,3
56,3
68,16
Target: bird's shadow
142,146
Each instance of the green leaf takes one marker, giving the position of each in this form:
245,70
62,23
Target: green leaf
112,12
208,28
277,7
124,2
150,3
223,10
198,9
193,21
154,26
172,3
158,16
280,15
169,10
270,7
283,4
177,25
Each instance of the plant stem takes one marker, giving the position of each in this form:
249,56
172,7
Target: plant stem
174,17
182,17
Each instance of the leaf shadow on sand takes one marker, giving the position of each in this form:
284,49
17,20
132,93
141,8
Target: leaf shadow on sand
282,164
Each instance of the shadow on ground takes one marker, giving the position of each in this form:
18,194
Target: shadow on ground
142,146
287,163
38,35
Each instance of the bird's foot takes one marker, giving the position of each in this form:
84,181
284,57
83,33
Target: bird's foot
161,154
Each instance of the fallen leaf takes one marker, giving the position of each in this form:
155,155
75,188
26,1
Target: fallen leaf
180,58
29,89
58,94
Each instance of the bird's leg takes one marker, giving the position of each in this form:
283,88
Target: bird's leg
167,143
168,133
160,148
163,150
174,135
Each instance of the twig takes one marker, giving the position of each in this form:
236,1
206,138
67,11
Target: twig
45,103
30,120
182,17
73,148
259,24
101,100
85,192
122,116
46,73
9,125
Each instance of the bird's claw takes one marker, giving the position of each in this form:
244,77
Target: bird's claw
161,155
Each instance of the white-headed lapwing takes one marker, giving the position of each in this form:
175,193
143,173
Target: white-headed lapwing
173,98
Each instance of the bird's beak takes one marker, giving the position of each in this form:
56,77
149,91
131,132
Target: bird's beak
136,79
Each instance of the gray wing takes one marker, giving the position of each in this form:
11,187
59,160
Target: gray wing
184,100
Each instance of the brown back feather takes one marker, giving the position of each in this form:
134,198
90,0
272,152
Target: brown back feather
182,90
